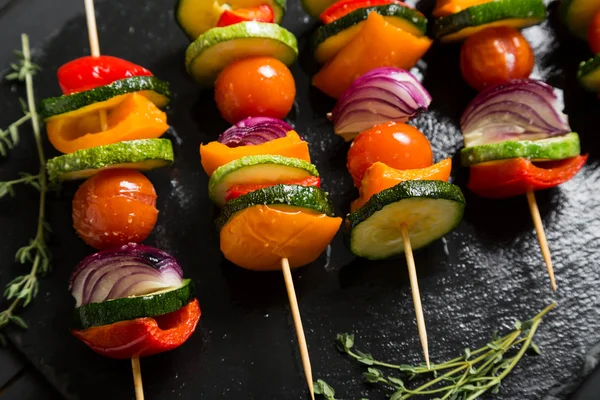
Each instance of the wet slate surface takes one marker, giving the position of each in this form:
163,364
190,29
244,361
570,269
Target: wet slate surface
480,278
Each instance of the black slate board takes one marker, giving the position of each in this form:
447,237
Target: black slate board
481,277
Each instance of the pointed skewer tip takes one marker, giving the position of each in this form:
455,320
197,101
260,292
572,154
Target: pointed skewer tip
416,295
539,227
289,285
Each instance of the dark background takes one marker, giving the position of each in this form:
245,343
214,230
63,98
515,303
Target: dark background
480,278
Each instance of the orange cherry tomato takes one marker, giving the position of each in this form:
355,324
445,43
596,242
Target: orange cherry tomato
398,146
495,55
115,207
255,87
594,33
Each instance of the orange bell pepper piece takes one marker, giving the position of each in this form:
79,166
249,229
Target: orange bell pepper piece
258,237
215,154
380,177
378,44
134,117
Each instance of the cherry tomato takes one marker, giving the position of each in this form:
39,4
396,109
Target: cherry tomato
115,207
255,87
594,33
495,55
398,146
88,72
262,13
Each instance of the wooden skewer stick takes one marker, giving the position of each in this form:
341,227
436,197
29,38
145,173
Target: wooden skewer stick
539,227
414,285
95,50
94,47
289,285
137,378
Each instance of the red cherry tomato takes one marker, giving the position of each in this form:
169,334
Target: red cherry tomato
594,34
115,207
343,7
495,55
255,87
398,146
239,190
262,13
88,72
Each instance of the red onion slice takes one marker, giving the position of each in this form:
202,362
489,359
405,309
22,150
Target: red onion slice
382,95
523,109
130,270
253,131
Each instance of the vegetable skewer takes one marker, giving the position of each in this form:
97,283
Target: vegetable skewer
274,215
518,140
494,54
402,208
95,50
389,163
258,86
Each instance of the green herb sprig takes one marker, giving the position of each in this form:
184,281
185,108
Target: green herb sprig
23,289
9,137
463,378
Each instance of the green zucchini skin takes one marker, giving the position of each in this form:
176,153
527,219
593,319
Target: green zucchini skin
63,104
416,194
486,13
556,148
355,17
308,197
215,192
125,309
70,166
235,42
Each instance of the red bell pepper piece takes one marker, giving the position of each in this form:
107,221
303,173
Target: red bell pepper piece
142,336
238,190
517,176
89,72
341,8
262,13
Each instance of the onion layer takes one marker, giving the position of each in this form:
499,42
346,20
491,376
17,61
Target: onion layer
382,95
523,109
129,270
253,131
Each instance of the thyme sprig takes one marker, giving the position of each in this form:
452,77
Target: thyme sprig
24,288
9,137
463,378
